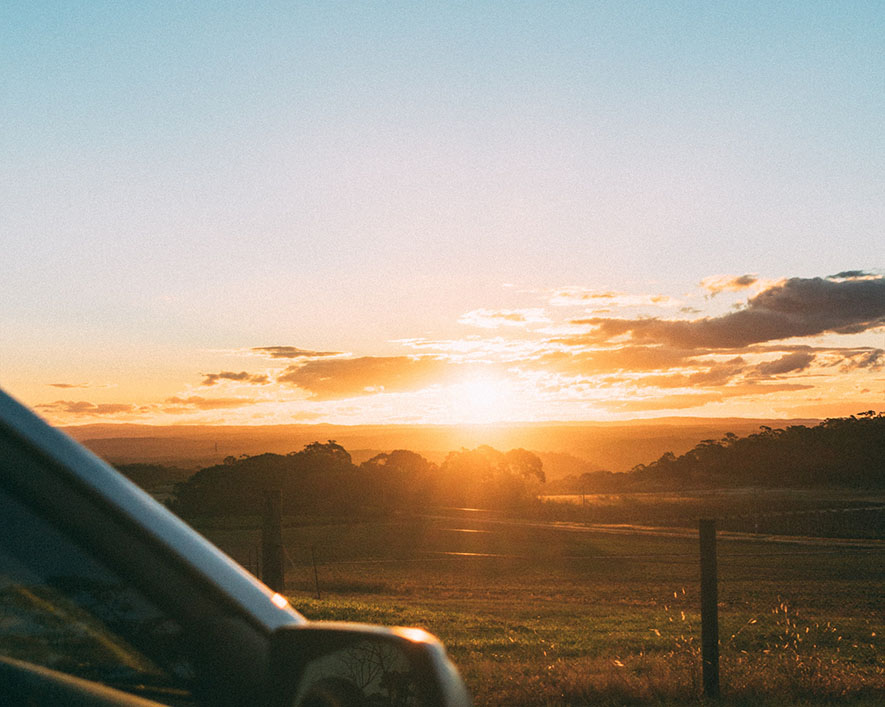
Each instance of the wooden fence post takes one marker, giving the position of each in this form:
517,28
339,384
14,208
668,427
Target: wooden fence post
709,608
316,575
272,542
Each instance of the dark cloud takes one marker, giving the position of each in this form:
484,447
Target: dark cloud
291,352
344,378
82,407
794,308
242,376
789,363
852,275
744,281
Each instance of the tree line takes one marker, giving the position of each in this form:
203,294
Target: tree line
322,479
845,452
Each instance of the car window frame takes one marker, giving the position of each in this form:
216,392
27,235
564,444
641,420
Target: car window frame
175,585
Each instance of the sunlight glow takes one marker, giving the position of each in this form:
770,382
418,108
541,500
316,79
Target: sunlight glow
415,635
279,601
482,400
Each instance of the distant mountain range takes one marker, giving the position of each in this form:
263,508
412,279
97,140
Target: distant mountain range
565,448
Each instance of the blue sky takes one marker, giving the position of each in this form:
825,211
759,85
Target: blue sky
185,179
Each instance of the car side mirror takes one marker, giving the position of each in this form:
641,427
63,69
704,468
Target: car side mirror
326,664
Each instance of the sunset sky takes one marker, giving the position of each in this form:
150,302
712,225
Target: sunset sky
441,212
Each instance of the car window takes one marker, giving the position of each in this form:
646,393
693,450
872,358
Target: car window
63,609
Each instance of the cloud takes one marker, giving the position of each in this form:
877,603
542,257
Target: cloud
82,407
794,308
482,349
789,363
68,386
873,359
728,283
242,376
622,358
199,403
853,275
344,378
828,356
581,296
681,401
291,352
663,402
492,318
713,375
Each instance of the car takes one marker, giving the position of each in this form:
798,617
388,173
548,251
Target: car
107,598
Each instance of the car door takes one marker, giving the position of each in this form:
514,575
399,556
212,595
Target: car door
92,601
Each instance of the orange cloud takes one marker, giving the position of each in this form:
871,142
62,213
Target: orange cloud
494,318
623,358
662,402
728,283
290,352
242,377
82,407
330,379
714,375
196,402
69,386
581,296
681,401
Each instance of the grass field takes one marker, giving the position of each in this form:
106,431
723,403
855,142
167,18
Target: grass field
545,614
824,513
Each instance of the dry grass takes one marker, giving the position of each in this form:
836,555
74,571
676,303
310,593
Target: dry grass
558,617
544,661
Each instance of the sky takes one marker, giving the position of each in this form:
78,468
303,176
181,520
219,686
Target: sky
356,212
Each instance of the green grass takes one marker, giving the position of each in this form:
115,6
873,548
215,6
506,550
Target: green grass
556,616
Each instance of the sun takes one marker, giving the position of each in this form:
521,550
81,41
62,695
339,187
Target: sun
481,400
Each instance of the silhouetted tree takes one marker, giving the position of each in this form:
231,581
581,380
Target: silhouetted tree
519,461
400,479
328,457
485,477
838,452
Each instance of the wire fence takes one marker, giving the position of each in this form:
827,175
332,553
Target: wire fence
790,539
846,521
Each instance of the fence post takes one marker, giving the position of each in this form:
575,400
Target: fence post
316,575
709,608
272,542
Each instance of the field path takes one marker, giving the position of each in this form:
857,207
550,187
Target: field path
493,518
